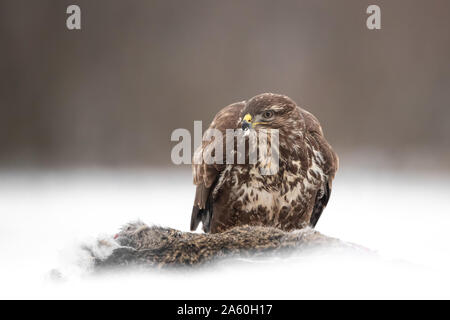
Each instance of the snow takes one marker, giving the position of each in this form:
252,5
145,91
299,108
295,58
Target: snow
45,216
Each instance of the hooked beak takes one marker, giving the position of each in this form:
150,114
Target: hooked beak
247,122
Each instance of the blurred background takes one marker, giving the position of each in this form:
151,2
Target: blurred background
86,118
111,94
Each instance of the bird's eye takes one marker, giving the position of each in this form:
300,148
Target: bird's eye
267,114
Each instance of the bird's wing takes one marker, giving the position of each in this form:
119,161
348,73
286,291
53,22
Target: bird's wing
327,160
206,175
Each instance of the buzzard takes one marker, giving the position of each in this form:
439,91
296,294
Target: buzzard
230,195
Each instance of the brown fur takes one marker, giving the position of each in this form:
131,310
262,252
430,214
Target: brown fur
140,244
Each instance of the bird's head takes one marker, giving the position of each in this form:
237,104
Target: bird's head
268,111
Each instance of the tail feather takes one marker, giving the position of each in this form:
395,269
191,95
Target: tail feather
202,209
195,217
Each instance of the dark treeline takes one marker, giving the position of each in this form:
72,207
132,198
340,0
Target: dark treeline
112,93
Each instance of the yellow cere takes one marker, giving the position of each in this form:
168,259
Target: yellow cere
248,117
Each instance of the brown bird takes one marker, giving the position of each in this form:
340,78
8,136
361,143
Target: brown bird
229,195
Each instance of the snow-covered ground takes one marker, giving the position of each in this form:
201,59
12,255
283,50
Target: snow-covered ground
45,216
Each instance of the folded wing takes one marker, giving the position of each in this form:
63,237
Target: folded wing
206,175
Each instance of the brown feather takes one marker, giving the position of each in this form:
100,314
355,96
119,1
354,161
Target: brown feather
234,195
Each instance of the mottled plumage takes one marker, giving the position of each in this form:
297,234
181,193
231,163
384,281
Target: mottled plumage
230,195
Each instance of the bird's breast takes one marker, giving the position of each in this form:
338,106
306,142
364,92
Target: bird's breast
278,199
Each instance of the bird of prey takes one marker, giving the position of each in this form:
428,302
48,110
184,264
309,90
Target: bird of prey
230,195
